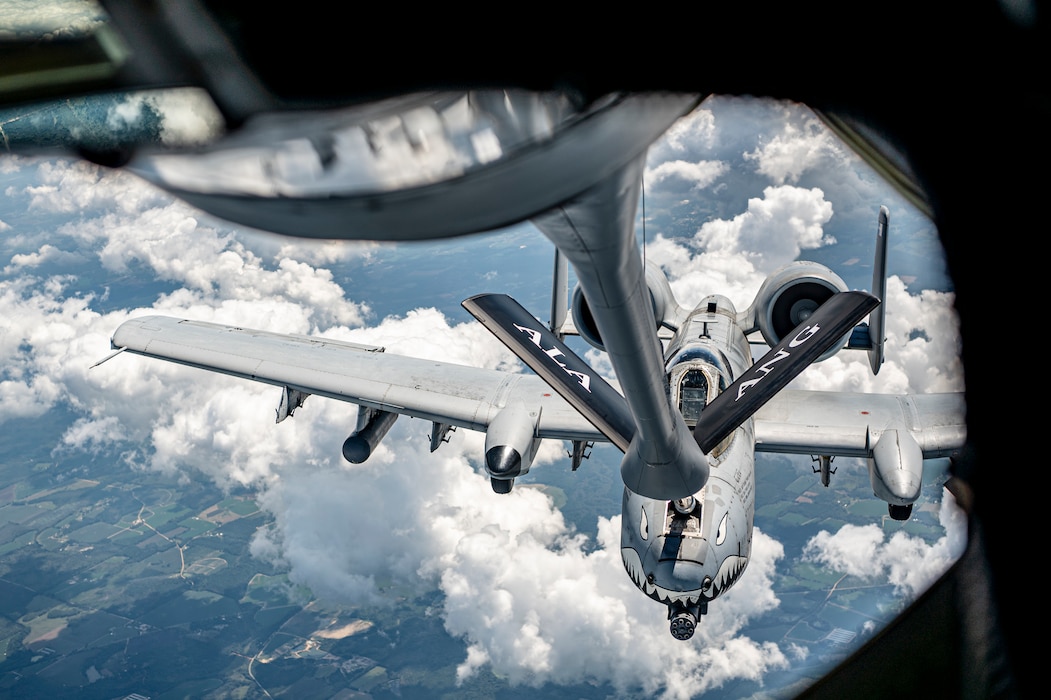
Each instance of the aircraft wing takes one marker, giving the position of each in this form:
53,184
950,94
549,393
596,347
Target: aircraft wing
850,424
458,395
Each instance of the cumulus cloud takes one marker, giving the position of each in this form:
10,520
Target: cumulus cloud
434,521
680,162
47,253
125,222
774,230
91,435
695,130
530,623
795,150
907,562
922,349
694,175
732,257
40,333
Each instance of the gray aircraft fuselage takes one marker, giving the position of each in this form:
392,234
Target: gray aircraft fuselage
687,552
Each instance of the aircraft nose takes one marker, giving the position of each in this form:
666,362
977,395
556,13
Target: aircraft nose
681,576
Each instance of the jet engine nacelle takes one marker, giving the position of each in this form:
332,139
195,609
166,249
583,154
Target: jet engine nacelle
788,297
665,307
896,472
372,427
510,445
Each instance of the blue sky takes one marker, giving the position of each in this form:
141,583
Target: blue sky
732,191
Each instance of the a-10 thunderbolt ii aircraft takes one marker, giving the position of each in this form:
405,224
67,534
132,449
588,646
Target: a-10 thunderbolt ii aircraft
972,629
685,539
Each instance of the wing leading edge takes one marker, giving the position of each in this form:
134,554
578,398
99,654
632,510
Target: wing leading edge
441,392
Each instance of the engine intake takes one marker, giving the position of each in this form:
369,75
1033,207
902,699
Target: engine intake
788,297
666,309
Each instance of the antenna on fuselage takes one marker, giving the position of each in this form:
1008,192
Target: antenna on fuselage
642,204
559,295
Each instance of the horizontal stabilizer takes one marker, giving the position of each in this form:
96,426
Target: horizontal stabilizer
860,337
556,364
828,325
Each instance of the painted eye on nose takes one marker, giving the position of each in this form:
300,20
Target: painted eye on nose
644,526
720,534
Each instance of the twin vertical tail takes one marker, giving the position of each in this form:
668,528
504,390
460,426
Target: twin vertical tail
879,288
870,337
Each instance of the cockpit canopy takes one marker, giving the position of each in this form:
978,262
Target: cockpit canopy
693,395
696,376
